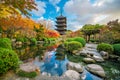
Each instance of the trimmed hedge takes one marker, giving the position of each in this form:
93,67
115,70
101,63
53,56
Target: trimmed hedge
78,39
8,60
5,43
81,40
105,47
73,45
116,49
70,39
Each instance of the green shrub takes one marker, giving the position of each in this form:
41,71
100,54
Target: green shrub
70,39
92,40
73,45
116,41
27,74
46,40
8,60
5,43
52,39
105,47
81,40
25,39
33,41
116,49
20,39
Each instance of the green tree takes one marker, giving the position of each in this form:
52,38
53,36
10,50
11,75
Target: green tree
114,27
90,29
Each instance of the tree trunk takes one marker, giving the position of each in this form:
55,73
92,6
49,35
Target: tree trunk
88,38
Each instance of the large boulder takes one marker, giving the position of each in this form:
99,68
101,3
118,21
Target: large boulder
75,66
29,67
104,54
72,75
96,69
98,58
89,60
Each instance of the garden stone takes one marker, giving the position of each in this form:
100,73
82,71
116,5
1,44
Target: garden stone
73,75
46,74
114,57
96,69
89,55
89,60
75,66
29,67
18,43
98,58
119,59
75,51
82,54
104,54
83,51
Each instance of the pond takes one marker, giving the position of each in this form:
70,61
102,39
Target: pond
45,57
50,64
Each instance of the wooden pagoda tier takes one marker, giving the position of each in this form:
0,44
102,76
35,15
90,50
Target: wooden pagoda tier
61,24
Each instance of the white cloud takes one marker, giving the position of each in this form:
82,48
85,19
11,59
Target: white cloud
41,9
54,2
48,23
57,8
85,12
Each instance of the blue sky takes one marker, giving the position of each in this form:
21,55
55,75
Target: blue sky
52,9
78,12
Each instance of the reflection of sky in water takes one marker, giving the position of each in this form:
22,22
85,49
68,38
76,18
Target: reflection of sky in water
51,65
58,67
90,76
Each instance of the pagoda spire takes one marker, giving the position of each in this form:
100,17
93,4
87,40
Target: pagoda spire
61,12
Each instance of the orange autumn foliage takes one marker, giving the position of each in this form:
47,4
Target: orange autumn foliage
52,34
52,47
24,26
17,22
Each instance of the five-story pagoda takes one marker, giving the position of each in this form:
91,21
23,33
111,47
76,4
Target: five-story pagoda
61,24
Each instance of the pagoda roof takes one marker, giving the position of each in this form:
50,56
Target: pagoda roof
60,16
61,25
59,29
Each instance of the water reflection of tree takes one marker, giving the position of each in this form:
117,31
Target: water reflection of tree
30,52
